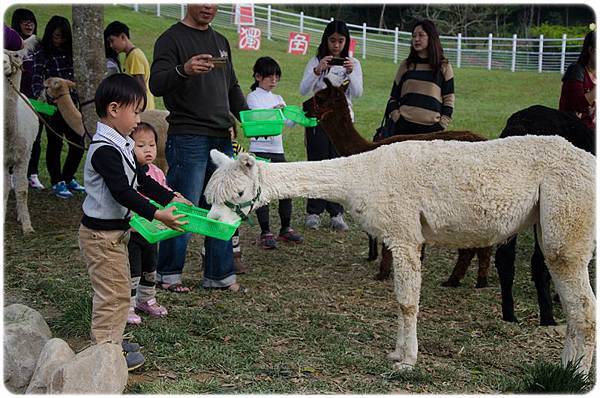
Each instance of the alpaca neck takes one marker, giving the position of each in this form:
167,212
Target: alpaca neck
324,180
70,113
340,129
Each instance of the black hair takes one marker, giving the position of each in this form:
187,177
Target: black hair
61,23
143,126
109,53
115,28
335,26
588,42
20,15
435,52
120,88
264,66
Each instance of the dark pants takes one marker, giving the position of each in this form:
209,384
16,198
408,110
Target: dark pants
36,150
285,205
319,147
405,127
143,257
54,149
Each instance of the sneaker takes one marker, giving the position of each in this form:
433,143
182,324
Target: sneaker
133,318
60,190
128,346
289,235
313,221
34,182
338,224
134,360
152,308
75,186
267,241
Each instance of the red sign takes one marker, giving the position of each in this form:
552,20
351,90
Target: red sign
351,47
249,38
244,14
298,43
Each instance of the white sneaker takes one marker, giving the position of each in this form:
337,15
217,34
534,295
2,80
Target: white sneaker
34,182
312,221
338,224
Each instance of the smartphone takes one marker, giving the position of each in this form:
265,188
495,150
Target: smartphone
337,61
219,62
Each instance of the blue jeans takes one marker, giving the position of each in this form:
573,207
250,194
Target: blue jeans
190,168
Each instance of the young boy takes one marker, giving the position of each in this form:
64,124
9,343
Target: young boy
113,179
136,63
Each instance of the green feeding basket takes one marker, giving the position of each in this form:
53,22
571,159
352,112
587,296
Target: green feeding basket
199,223
43,107
296,114
153,231
262,122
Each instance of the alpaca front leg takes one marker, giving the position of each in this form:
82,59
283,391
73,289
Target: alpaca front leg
21,187
407,286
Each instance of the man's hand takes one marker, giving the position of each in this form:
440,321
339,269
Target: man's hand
198,65
171,220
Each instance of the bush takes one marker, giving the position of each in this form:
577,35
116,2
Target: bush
549,378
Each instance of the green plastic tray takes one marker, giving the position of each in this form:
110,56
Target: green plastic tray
262,122
43,107
200,224
296,114
153,231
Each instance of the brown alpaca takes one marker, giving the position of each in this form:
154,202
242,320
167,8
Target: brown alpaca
331,108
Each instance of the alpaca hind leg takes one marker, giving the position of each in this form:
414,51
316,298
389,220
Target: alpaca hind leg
541,278
460,269
483,255
21,187
407,286
373,254
505,265
385,265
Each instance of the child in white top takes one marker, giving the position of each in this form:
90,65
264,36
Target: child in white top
266,76
334,44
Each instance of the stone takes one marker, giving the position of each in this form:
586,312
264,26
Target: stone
16,313
55,353
99,369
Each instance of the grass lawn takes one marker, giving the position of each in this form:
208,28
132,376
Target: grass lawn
315,321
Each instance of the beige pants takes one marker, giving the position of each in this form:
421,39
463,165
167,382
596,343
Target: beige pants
107,261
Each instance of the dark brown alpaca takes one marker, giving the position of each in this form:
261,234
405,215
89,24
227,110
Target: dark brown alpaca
331,108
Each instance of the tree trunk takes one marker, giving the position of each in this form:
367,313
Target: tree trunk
381,17
88,56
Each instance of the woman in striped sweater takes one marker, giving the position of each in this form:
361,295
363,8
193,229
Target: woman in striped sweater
422,98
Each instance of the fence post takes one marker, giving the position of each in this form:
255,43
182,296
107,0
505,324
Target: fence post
541,54
364,46
396,45
158,9
489,65
563,53
182,13
301,21
458,49
513,65
136,7
269,22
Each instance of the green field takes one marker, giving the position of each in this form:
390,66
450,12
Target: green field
315,321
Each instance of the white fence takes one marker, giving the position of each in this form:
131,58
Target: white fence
515,54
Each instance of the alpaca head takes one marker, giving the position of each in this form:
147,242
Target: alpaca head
57,87
13,60
233,188
331,98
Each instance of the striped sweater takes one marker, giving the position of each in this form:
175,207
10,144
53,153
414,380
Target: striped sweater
420,97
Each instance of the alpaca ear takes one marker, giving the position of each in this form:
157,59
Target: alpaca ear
328,83
219,158
71,84
246,161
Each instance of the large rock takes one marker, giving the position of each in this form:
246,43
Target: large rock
55,353
99,369
25,334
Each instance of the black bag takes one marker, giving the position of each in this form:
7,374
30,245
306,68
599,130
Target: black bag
385,130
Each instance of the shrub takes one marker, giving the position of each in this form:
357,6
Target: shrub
548,378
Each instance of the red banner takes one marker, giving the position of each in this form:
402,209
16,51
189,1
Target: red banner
298,43
351,47
249,38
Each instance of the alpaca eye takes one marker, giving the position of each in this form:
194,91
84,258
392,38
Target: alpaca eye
240,194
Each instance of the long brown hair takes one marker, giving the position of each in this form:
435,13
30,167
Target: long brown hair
435,52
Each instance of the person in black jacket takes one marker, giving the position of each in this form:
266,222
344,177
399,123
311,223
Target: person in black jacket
200,95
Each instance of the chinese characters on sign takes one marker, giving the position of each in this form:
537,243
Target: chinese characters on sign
298,43
249,38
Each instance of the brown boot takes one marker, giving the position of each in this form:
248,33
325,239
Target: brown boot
238,265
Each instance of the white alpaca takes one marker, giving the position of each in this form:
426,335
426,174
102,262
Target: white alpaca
452,194
20,129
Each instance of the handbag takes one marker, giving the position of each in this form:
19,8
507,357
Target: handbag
385,130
